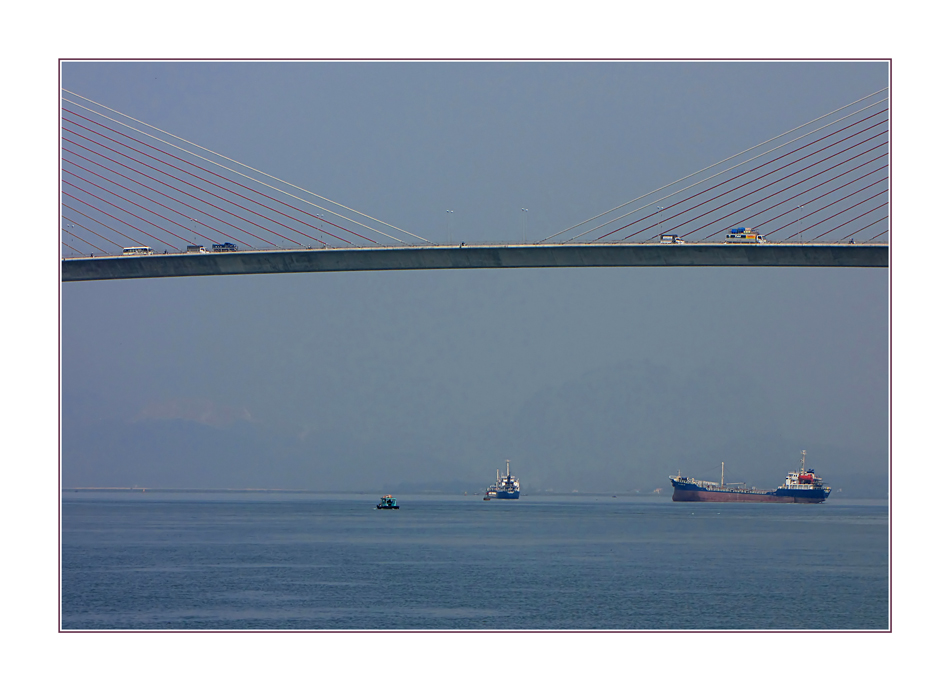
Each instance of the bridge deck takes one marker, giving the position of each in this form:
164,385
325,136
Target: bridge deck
472,257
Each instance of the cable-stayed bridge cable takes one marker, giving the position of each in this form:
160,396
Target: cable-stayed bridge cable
158,160
812,165
94,220
342,206
736,177
804,192
720,163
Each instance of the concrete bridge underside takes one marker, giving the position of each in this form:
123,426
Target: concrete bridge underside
472,257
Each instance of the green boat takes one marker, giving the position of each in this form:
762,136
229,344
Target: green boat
387,502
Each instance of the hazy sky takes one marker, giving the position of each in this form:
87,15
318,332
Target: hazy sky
589,379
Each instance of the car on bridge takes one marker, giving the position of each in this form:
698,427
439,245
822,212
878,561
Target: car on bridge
128,251
224,247
671,240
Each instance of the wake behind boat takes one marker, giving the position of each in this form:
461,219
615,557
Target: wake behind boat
803,487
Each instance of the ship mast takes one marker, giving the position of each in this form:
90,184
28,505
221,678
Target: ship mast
803,461
722,478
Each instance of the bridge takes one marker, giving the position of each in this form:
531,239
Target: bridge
472,257
132,195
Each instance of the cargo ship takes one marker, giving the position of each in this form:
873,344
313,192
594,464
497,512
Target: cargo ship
506,487
801,487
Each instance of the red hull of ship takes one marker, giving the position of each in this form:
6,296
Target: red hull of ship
689,495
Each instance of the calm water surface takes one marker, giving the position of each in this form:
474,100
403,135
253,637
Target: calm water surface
224,561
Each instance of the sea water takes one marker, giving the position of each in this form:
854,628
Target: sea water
161,560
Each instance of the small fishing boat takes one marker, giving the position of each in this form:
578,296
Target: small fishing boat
387,502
